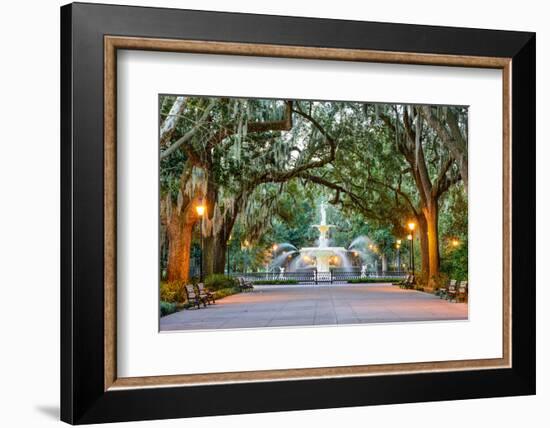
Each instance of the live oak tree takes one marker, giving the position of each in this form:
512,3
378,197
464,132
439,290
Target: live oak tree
393,166
451,126
433,168
242,147
245,158
194,140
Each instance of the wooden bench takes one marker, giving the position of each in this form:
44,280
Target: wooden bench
193,297
442,291
403,281
409,282
451,293
205,294
462,294
245,285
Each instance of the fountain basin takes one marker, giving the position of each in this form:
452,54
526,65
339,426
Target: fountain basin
323,256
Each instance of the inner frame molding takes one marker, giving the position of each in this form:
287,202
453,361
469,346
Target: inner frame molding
113,43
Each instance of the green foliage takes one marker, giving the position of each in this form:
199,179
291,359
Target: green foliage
454,228
275,282
454,262
438,281
172,292
294,218
167,308
216,282
373,188
224,292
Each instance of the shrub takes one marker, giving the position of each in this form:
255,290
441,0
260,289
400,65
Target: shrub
440,281
454,262
224,292
275,282
373,280
172,292
218,281
167,308
421,279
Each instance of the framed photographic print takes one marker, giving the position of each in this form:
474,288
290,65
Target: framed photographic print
266,213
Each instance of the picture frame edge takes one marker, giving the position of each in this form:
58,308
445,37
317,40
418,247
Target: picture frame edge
77,395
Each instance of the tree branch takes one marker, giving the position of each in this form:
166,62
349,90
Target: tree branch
189,134
169,124
452,137
441,177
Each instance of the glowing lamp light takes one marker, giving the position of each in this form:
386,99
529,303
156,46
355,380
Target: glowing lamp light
455,242
200,208
275,247
411,225
399,242
409,237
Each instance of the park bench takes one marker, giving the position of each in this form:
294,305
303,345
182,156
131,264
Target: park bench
193,297
451,292
462,294
205,294
442,291
245,285
403,281
409,282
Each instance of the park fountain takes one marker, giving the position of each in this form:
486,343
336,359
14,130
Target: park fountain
322,257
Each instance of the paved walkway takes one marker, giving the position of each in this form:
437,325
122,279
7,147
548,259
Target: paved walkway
302,305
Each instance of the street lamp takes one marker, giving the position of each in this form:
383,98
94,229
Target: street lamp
455,242
228,245
200,208
398,247
412,226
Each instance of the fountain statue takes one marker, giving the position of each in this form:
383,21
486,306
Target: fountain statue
323,256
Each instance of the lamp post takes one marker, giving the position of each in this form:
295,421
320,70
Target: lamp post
244,248
228,254
200,212
398,247
412,226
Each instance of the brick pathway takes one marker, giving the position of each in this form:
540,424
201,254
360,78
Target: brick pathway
304,305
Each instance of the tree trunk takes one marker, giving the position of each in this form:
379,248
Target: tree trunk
384,263
424,251
208,255
219,260
215,248
431,212
180,230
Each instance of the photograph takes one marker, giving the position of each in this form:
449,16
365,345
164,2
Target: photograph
247,214
294,213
